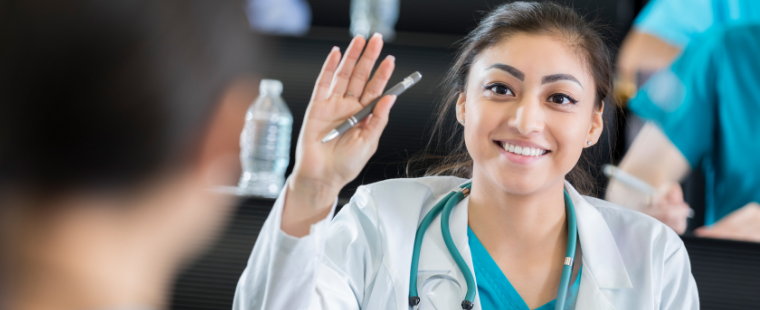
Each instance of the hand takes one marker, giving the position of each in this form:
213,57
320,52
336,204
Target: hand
742,224
322,169
669,207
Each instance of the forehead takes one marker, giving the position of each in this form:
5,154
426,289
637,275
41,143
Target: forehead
536,56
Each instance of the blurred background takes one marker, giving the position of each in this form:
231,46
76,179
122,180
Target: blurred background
424,39
117,117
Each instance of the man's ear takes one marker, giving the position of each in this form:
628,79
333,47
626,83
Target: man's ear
597,125
460,106
218,160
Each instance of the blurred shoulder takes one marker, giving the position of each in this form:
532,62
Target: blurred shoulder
430,185
395,204
403,194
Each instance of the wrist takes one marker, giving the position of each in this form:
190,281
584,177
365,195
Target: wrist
314,192
307,202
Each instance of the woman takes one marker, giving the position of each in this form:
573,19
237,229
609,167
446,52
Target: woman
115,119
531,76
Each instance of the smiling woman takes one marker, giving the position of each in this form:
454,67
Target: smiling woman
565,33
527,90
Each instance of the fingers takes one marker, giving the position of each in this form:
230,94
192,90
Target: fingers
678,220
379,81
322,87
674,193
364,68
705,232
346,67
379,118
717,232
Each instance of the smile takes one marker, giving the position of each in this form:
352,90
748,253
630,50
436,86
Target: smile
524,151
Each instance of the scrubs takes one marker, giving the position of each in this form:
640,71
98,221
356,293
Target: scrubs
707,104
679,21
494,288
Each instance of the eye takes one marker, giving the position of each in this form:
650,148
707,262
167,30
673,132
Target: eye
499,89
561,99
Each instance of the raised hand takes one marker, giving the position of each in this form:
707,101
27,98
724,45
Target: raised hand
322,169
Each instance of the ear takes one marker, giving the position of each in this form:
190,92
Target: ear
460,106
218,162
597,126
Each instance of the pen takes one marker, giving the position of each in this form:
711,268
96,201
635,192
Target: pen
396,90
626,178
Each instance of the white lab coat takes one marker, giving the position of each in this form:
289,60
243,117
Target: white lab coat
361,258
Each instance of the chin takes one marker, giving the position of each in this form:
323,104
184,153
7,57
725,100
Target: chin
518,184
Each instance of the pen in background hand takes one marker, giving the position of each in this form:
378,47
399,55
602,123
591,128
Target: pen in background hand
396,90
624,177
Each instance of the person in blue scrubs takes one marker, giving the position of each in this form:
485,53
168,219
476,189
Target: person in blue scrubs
693,17
664,27
706,105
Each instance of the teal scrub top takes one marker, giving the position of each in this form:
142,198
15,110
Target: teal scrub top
708,104
679,21
494,288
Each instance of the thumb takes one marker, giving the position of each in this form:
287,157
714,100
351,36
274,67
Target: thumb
379,119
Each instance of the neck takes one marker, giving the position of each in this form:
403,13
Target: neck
56,261
526,222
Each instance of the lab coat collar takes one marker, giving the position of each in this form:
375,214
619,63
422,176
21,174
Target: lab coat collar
603,267
600,252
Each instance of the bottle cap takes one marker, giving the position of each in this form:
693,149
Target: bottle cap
270,87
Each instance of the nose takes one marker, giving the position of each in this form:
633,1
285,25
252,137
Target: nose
528,117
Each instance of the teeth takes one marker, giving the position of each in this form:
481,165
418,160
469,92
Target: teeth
524,151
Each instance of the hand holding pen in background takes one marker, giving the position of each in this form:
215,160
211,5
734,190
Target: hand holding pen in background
665,203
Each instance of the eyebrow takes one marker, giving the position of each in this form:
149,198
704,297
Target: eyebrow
509,69
560,77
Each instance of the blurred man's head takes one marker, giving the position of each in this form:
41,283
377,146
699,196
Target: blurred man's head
115,119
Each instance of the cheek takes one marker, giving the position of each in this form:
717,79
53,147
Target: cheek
570,134
481,120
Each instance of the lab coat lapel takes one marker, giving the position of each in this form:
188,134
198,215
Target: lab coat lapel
603,267
440,282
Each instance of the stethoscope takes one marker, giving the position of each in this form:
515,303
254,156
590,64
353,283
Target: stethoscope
445,206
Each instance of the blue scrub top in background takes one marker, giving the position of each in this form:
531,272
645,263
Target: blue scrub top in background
708,104
679,21
495,290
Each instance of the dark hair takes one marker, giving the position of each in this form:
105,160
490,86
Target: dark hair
109,93
506,20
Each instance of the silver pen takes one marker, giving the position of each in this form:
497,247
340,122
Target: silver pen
396,90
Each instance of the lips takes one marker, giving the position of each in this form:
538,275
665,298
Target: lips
523,150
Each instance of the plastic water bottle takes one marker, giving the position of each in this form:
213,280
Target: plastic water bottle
370,16
265,143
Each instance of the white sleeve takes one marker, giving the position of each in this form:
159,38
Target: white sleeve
323,270
679,290
282,268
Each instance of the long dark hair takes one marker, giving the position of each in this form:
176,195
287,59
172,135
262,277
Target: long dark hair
544,18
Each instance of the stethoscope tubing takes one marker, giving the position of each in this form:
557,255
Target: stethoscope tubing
445,206
418,245
446,232
572,241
